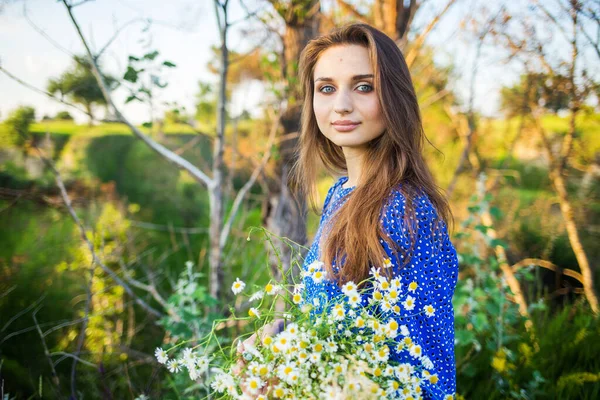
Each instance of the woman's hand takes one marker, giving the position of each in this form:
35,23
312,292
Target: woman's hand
270,329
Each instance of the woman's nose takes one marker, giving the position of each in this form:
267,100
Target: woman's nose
343,102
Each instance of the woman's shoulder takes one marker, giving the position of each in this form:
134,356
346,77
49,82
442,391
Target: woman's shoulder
398,199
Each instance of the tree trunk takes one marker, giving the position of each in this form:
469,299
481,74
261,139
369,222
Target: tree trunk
281,214
216,276
567,211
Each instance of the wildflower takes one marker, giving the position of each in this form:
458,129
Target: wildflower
174,365
396,283
409,303
254,384
338,312
194,372
375,272
413,286
354,299
404,330
386,306
202,363
429,310
360,322
392,296
384,284
257,296
161,355
271,289
222,382
237,286
297,298
387,263
318,276
349,287
253,312
416,351
188,358
427,362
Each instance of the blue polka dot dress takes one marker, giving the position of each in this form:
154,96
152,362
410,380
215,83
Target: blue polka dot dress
433,267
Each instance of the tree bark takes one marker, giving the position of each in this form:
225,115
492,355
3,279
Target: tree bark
281,214
559,185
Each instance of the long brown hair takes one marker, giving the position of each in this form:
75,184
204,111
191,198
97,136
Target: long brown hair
393,161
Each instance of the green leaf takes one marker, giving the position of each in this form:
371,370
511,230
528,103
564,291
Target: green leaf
479,321
464,337
481,228
498,242
133,58
131,75
147,124
496,212
131,98
169,64
151,56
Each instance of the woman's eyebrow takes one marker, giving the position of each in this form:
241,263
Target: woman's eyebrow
354,78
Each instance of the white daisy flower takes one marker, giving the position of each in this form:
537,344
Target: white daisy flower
409,303
237,286
416,351
429,310
257,296
174,365
194,372
161,355
375,272
254,384
354,299
253,312
349,287
202,363
413,286
271,289
318,276
404,330
387,263
427,362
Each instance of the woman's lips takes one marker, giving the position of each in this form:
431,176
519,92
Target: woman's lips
345,128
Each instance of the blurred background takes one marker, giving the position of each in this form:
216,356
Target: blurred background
141,140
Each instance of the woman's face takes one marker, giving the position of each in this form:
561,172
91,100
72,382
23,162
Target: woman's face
345,103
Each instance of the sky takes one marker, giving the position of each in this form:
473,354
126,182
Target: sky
183,32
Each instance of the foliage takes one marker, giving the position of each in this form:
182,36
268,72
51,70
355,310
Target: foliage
18,123
144,77
63,116
80,85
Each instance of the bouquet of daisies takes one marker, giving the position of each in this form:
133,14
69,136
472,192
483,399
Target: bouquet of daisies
337,350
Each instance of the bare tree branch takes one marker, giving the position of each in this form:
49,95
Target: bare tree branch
240,195
116,34
418,42
27,85
44,34
157,147
55,378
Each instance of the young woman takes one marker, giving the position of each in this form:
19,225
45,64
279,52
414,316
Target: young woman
361,121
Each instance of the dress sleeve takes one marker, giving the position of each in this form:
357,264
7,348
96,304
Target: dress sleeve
328,200
423,309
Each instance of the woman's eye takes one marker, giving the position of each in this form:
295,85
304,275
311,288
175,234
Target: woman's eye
368,86
325,87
